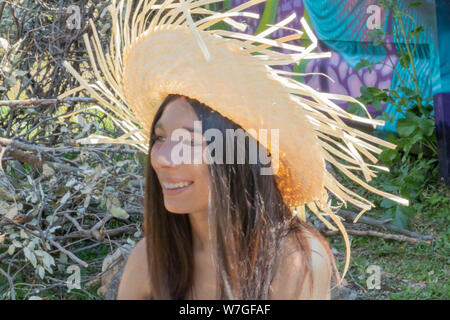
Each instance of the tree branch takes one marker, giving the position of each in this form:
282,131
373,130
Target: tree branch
36,102
373,233
382,224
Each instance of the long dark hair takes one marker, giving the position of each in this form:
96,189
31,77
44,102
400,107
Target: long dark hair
249,217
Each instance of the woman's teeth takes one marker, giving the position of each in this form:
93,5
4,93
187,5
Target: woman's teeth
176,185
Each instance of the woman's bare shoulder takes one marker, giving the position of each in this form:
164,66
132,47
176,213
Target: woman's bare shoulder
287,282
134,284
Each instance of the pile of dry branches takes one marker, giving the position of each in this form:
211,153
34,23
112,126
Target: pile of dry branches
60,204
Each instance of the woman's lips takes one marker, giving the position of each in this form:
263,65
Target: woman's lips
176,190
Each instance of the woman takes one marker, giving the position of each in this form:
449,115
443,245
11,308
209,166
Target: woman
226,251
228,231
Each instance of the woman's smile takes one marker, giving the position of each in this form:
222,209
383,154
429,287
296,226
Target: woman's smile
174,188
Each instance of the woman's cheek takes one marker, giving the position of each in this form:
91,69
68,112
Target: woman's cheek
204,182
153,154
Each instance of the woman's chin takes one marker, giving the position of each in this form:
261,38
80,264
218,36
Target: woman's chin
176,211
176,208
182,207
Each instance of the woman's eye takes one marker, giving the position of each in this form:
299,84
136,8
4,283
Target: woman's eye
157,138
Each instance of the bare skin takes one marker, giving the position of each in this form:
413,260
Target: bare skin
193,200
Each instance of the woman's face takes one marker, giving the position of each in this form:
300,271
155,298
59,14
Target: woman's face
185,185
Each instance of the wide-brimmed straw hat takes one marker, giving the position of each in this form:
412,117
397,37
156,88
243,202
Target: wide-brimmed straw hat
157,49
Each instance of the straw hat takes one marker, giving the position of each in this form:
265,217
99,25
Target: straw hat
157,49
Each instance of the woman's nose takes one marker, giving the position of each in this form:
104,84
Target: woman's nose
163,154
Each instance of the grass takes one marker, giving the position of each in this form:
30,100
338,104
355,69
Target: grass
408,271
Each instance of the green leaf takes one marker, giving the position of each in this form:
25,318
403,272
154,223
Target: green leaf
415,4
386,203
362,64
408,91
395,94
364,91
268,16
427,127
375,91
41,272
48,261
389,117
388,214
405,59
377,105
17,243
39,253
355,108
388,156
376,33
51,260
379,42
401,217
11,249
403,102
65,198
416,32
405,127
30,256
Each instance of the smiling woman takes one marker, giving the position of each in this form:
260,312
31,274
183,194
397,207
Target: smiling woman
215,231
222,228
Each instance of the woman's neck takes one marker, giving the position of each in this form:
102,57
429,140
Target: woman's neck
202,237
